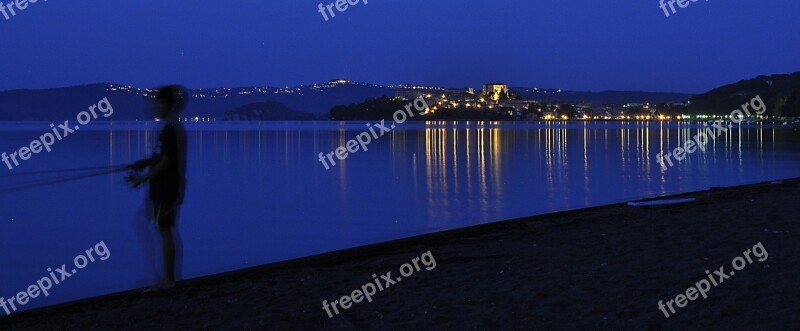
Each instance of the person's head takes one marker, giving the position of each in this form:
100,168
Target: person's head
170,101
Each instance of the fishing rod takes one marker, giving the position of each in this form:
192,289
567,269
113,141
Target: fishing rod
23,187
43,172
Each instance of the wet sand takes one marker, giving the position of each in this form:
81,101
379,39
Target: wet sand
598,268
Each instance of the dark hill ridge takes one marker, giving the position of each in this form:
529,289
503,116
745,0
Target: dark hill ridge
780,92
132,103
268,111
65,103
603,97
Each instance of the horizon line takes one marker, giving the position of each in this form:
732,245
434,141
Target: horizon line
348,82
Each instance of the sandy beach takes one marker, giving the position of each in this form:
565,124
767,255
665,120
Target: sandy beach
599,268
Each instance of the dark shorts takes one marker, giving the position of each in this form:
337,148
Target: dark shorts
164,214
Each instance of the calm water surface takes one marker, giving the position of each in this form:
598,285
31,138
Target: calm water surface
256,192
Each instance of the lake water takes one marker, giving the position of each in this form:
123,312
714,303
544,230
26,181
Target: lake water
256,192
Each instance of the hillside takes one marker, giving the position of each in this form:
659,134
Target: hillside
66,103
131,103
602,97
268,111
780,92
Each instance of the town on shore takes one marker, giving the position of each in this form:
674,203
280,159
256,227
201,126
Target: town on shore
344,100
496,101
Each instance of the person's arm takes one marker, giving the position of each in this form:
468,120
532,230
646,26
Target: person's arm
141,164
161,165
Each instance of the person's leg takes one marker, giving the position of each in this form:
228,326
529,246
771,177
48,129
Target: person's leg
178,240
168,245
145,233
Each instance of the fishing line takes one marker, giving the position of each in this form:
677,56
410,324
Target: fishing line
60,171
22,187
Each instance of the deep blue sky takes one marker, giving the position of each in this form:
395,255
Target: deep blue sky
568,44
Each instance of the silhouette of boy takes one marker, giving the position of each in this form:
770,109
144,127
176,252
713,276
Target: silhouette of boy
166,174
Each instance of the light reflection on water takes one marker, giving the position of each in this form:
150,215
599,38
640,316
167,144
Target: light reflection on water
257,192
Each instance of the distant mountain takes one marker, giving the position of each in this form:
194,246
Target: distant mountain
780,92
131,103
315,99
66,103
268,111
600,98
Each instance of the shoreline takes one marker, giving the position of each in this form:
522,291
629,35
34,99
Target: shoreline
472,244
